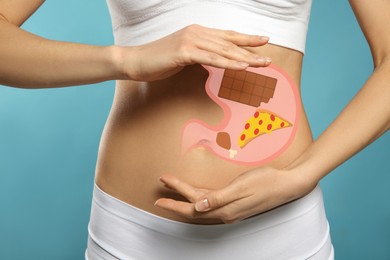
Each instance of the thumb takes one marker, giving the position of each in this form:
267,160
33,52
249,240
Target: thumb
217,199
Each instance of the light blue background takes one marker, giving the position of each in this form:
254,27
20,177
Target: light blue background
49,141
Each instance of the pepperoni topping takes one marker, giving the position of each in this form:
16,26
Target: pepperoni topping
260,122
242,137
247,125
272,118
269,127
256,132
282,124
256,115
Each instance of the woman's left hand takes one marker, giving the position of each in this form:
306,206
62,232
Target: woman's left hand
251,193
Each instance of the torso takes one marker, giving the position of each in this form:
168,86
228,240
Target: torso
141,140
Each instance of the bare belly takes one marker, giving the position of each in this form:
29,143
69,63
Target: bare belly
141,140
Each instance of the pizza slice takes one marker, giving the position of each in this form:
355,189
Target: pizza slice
262,122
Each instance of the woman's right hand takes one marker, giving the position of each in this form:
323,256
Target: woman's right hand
190,45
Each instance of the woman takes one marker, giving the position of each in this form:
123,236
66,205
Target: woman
128,168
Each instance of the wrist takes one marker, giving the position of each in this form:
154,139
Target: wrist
305,174
119,60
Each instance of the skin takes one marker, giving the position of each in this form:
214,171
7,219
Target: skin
261,189
85,64
140,142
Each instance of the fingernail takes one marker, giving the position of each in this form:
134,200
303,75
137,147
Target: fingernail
265,60
202,205
161,179
261,59
243,64
264,38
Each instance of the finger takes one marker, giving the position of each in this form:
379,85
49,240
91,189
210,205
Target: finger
246,40
182,208
222,46
170,188
185,189
232,52
228,214
219,198
215,60
186,209
240,39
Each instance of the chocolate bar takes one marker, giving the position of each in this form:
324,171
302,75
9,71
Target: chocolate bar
247,87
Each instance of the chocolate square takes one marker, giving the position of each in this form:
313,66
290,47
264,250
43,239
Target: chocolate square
268,92
237,84
224,92
235,95
247,88
258,91
245,98
255,100
227,82
250,77
241,75
271,83
260,80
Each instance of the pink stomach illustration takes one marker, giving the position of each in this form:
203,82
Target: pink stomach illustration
235,93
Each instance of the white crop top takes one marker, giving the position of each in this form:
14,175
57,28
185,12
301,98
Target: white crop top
137,22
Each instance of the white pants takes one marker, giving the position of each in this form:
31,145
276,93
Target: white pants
298,230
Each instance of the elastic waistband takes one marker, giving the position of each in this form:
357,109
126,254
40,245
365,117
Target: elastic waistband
156,223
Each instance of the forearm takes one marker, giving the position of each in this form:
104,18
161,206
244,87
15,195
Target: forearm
30,61
362,121
33,62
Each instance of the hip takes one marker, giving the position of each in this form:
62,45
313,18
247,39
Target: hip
298,230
